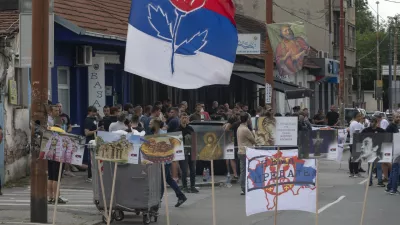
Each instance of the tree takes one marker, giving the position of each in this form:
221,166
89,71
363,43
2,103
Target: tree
366,21
366,44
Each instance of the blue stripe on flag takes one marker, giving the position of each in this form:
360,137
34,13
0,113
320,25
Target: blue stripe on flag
221,34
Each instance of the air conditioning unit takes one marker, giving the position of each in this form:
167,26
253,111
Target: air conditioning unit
322,54
84,55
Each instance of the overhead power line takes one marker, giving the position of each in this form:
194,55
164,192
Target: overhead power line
376,12
392,1
305,20
369,53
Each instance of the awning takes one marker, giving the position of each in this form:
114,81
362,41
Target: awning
292,91
311,65
109,57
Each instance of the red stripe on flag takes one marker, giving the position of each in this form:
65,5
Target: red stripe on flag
223,7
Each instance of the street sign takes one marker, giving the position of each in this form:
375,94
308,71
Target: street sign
378,89
268,93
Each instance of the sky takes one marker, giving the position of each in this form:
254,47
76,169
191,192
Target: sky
386,8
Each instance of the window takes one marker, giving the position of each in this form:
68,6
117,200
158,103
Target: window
63,88
23,87
351,35
335,34
350,3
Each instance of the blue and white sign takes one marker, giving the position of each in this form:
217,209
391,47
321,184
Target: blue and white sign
249,44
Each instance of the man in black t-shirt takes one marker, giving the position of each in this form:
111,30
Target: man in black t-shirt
332,117
90,130
319,118
112,118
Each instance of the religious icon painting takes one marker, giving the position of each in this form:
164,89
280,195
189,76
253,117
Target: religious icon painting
212,142
290,46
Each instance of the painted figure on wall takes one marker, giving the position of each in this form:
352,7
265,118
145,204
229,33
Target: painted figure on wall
290,52
289,43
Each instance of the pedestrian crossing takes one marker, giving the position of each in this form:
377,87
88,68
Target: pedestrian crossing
76,198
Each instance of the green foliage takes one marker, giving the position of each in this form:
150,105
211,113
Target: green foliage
366,21
366,44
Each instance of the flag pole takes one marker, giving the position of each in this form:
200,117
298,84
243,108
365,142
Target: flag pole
277,189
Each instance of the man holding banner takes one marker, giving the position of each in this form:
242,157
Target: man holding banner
245,139
375,129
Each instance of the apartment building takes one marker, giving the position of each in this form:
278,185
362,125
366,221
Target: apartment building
322,21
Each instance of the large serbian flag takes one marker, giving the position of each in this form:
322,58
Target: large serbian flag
182,43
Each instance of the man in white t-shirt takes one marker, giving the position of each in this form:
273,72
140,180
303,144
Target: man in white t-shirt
355,127
383,123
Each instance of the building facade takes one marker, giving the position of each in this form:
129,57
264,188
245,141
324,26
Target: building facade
321,21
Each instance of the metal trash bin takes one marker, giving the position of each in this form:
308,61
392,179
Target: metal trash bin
137,188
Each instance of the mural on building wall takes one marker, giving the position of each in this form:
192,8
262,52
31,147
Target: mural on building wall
289,43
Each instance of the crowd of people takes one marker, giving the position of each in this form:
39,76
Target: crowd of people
384,172
163,117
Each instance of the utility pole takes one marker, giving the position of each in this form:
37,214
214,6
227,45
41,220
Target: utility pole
330,25
359,84
269,61
378,98
390,70
39,80
396,31
341,71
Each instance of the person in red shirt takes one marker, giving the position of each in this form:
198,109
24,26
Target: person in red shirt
206,114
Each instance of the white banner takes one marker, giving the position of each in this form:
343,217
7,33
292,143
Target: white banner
286,131
277,131
96,84
296,181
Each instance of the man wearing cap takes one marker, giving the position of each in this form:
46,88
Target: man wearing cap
382,122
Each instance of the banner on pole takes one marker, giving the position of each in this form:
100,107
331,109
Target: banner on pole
163,147
371,147
276,131
289,43
212,142
62,147
318,144
296,181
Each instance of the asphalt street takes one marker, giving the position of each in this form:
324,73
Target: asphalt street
340,202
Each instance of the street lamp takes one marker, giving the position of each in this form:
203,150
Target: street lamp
25,6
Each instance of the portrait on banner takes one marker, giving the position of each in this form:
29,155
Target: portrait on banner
371,147
289,43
